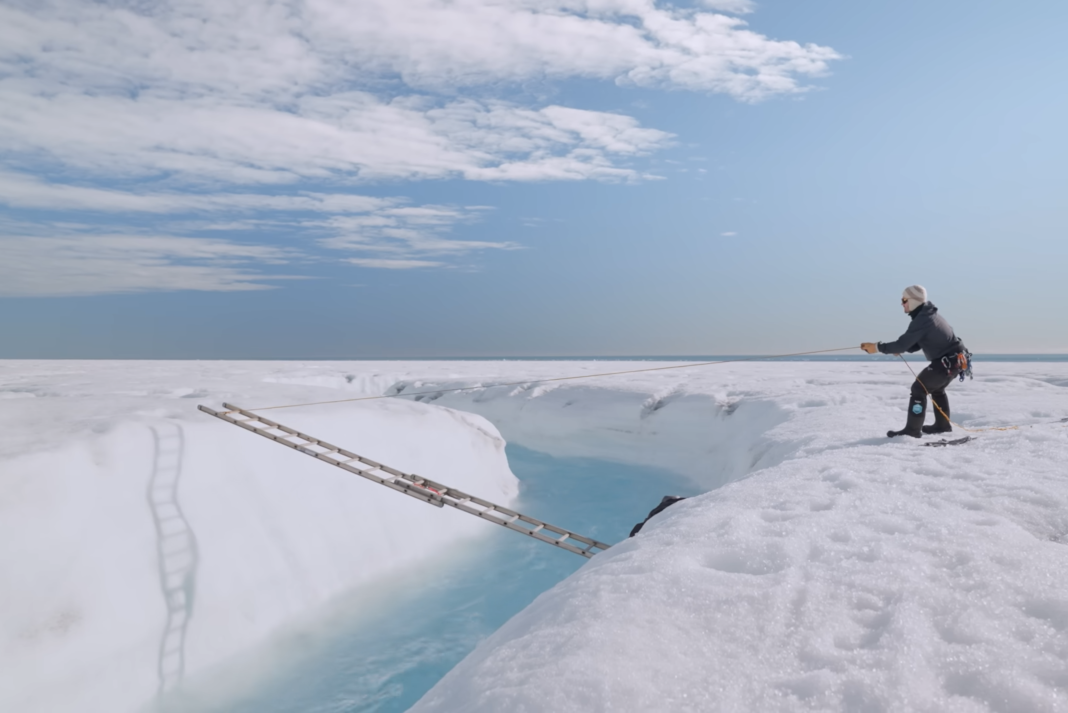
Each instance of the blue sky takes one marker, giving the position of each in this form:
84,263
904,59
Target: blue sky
418,178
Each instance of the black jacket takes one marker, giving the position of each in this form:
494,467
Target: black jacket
928,331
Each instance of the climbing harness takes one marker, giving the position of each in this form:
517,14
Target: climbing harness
415,486
559,378
961,362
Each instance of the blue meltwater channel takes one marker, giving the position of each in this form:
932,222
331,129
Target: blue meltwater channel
385,649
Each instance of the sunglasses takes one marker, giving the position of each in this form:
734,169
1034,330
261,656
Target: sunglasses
904,300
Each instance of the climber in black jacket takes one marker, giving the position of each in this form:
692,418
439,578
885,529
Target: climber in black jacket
930,332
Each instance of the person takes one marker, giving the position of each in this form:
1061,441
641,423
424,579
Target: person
930,332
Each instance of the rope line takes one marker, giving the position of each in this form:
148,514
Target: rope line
559,378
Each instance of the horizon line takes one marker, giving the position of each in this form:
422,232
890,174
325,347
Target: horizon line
557,357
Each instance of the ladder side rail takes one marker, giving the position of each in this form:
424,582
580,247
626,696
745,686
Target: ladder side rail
249,425
538,525
523,518
401,487
490,511
459,495
562,545
269,423
514,516
405,483
536,531
458,499
301,448
414,491
306,437
531,533
277,439
310,439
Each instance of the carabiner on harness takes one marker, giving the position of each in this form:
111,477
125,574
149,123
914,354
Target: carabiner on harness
964,362
959,363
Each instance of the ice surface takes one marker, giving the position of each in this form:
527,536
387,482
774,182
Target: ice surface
83,614
827,568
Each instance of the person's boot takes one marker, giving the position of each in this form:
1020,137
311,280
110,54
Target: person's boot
941,423
914,424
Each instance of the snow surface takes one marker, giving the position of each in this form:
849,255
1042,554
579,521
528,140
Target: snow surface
82,614
827,568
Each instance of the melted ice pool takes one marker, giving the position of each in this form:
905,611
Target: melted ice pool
383,647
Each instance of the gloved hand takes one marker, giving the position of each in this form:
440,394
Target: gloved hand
870,347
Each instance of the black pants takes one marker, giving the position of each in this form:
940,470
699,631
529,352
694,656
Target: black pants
935,378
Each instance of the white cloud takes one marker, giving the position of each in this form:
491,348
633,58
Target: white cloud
389,233
349,136
35,266
738,7
430,43
409,231
273,50
729,234
20,190
388,264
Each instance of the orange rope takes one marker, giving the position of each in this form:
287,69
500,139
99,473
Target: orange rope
559,378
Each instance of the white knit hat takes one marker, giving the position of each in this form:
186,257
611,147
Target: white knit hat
916,295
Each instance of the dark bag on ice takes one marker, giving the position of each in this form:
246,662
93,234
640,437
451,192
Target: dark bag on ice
667,502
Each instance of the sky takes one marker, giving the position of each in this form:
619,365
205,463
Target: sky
417,178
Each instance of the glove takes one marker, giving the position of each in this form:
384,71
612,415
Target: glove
870,347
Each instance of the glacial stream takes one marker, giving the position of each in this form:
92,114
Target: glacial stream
383,647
